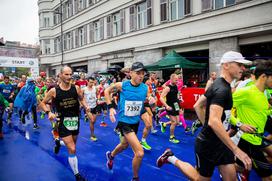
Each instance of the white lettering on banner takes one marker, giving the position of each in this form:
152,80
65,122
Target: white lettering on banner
197,96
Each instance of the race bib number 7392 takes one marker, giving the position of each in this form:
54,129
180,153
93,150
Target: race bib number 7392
133,108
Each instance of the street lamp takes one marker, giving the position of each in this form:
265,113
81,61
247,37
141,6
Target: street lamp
61,31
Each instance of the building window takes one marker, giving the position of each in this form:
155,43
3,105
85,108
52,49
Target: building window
164,10
144,14
46,22
91,32
82,35
90,2
57,16
64,42
57,44
178,9
132,18
206,5
81,5
69,41
46,46
109,26
118,23
69,5
75,6
98,30
222,3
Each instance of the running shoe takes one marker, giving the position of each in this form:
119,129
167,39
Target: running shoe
196,124
1,135
9,121
79,177
157,119
174,140
36,126
117,131
135,179
22,119
154,131
86,118
145,145
93,138
57,146
103,124
42,115
109,160
163,126
163,158
187,129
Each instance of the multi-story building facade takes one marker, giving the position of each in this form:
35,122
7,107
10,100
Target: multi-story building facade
95,34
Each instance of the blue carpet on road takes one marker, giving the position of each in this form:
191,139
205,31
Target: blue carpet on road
27,154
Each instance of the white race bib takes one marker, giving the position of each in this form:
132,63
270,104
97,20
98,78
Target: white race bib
133,108
226,122
71,123
176,106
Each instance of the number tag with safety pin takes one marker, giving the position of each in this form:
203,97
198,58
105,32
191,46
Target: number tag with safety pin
133,108
71,123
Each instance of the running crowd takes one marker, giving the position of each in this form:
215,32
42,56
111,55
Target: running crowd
235,117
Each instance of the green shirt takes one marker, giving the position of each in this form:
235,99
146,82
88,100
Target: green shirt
3,101
251,108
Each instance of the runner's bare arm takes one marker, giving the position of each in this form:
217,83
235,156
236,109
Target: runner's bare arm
81,98
200,108
163,95
112,112
117,86
51,94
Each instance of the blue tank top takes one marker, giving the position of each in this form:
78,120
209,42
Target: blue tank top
131,102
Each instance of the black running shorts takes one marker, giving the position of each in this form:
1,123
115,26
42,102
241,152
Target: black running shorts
126,128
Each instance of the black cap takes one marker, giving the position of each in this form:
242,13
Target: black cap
137,66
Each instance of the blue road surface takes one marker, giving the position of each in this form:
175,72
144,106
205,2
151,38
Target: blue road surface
27,154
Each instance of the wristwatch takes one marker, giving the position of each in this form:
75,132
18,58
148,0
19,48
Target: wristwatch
239,124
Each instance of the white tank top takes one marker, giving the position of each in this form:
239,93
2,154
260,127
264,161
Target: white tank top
90,96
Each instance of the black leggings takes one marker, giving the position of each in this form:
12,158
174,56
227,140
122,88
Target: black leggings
34,114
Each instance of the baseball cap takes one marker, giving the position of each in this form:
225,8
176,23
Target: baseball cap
137,66
232,56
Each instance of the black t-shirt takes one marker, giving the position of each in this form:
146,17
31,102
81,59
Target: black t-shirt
220,94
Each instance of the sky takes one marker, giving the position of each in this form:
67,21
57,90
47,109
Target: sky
19,21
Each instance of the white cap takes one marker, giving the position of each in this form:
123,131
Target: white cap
232,56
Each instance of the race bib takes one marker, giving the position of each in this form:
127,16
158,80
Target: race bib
103,99
6,91
71,123
176,106
226,122
133,108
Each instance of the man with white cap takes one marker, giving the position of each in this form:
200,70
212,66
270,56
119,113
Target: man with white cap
213,145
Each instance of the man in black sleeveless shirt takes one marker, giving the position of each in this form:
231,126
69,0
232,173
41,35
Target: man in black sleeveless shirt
67,98
171,105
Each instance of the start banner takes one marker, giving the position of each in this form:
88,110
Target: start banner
190,95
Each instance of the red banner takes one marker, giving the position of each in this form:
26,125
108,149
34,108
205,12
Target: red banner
190,95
